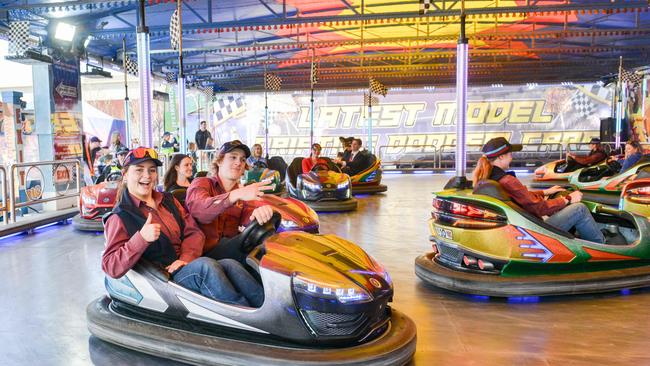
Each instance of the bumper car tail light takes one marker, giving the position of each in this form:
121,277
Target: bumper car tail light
469,261
485,265
463,215
638,194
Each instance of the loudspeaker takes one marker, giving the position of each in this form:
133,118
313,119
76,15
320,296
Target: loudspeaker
607,129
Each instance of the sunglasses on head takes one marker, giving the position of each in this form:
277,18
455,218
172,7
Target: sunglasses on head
142,152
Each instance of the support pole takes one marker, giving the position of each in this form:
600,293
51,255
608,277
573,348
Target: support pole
144,73
369,142
461,99
266,123
311,117
619,105
181,83
127,113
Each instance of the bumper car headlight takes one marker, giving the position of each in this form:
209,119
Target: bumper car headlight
343,185
345,294
311,186
288,224
89,200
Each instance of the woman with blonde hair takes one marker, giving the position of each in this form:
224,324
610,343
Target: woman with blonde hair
563,212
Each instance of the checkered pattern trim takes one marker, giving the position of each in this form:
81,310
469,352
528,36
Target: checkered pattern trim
208,92
18,37
313,78
130,66
377,88
630,77
170,77
425,6
175,30
367,100
582,104
272,82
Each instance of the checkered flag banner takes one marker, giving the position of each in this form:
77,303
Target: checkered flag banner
272,82
208,92
313,78
377,88
131,66
585,101
170,77
227,107
367,100
18,37
175,30
425,5
630,77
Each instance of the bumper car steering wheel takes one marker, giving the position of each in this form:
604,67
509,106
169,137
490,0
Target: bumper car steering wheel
255,233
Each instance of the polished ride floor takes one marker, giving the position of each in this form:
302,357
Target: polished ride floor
49,277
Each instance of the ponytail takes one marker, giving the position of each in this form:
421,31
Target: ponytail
120,188
482,171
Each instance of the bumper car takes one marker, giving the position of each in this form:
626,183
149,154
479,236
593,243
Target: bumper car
326,302
259,172
604,183
485,244
369,179
554,173
636,197
324,189
94,202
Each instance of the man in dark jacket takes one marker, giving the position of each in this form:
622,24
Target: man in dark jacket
202,136
357,161
596,154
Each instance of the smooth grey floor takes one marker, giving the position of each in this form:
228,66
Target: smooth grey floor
50,277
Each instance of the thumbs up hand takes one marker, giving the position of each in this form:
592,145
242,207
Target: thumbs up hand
150,232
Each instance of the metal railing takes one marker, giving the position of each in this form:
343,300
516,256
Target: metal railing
13,204
404,156
3,192
427,157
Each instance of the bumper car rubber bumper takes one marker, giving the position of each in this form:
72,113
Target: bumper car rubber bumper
395,347
82,224
333,206
543,184
367,189
429,271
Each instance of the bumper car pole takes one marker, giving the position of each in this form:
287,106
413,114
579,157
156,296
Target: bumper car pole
144,78
460,181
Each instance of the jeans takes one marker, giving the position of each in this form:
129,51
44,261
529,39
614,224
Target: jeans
227,248
577,214
224,280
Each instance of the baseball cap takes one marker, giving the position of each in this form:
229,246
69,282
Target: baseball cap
595,140
122,150
232,145
499,146
95,139
141,154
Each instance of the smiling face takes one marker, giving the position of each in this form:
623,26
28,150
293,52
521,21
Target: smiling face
257,151
141,178
184,169
630,150
355,145
232,166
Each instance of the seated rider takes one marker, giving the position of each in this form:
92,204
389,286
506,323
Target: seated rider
633,153
256,156
563,212
220,204
356,161
596,155
151,225
115,165
313,159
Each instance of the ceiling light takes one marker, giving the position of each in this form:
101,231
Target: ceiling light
64,32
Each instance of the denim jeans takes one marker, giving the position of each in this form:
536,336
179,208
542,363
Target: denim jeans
225,280
577,214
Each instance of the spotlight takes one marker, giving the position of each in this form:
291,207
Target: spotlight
64,32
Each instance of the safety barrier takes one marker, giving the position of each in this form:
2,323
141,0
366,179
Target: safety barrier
431,157
3,192
34,195
403,157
